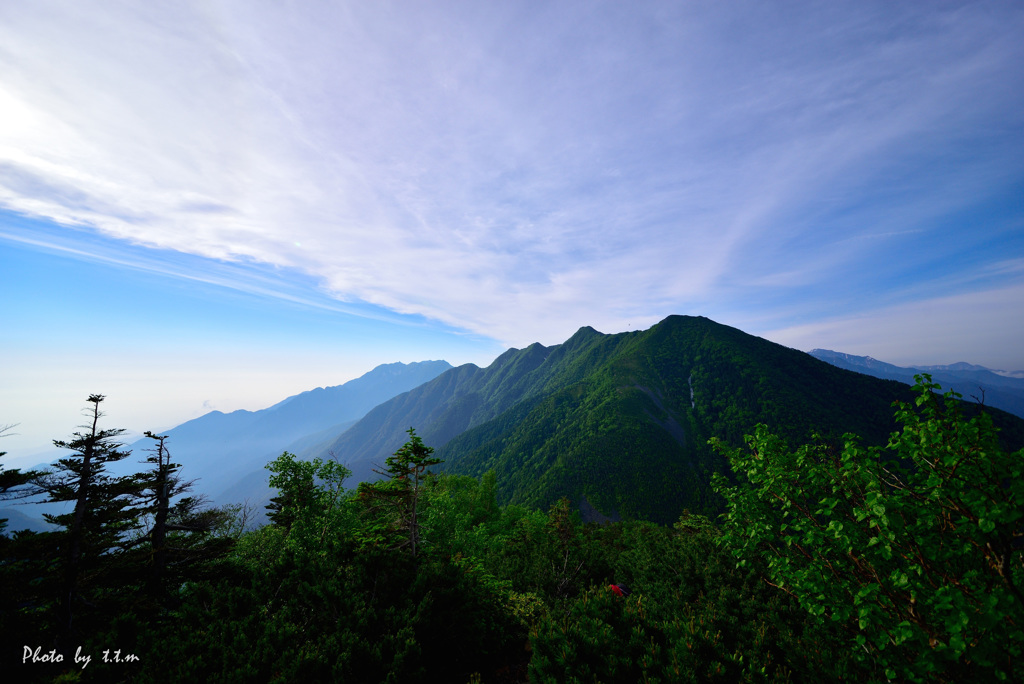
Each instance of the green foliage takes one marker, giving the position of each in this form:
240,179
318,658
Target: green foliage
395,502
102,513
496,591
99,581
901,561
178,534
915,548
99,525
305,489
692,616
294,606
624,420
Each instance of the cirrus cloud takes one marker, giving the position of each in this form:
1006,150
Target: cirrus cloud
519,172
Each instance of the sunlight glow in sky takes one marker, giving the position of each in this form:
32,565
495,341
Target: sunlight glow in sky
217,204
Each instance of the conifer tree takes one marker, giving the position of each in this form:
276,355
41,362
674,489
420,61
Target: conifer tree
179,535
160,486
102,515
163,481
400,494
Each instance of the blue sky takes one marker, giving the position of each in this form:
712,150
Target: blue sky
218,204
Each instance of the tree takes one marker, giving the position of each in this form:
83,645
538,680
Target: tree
399,495
306,489
164,484
170,525
25,558
102,515
915,547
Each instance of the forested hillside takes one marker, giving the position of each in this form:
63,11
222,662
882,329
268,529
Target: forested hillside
620,423
835,562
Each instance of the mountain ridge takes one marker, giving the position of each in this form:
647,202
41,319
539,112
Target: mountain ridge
617,422
622,420
1000,389
219,449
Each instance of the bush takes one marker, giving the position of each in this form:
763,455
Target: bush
914,548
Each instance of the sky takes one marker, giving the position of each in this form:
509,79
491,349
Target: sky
215,205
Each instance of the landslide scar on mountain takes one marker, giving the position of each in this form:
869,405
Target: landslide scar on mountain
589,513
670,424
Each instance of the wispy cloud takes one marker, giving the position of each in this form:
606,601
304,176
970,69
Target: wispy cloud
241,277
923,332
520,172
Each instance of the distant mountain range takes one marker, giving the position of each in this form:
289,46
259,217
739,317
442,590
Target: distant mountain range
1001,389
226,452
617,423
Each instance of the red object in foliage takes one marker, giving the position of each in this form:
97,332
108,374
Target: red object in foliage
616,589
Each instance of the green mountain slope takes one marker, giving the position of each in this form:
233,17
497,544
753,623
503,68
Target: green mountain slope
628,430
620,422
465,397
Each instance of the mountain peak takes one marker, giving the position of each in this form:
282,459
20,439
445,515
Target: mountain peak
675,319
585,331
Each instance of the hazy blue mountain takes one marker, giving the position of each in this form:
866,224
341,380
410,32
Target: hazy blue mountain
1001,389
225,453
23,518
220,449
620,423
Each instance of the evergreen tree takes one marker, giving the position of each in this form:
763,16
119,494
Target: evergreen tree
160,494
101,519
176,532
399,496
25,557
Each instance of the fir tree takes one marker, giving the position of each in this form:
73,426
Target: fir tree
399,496
102,515
160,485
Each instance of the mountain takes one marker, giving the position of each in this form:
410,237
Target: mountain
620,423
1001,389
446,406
225,453
223,449
21,519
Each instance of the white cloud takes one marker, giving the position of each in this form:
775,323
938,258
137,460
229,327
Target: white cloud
513,173
983,327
